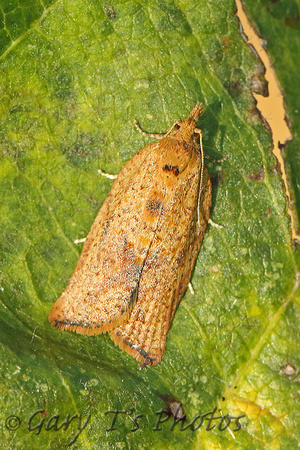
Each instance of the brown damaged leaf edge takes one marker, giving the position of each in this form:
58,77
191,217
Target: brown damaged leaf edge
138,257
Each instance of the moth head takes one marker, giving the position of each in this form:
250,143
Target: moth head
186,129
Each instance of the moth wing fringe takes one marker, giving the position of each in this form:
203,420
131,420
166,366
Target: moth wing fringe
87,330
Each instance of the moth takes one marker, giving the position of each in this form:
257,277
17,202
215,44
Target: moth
138,257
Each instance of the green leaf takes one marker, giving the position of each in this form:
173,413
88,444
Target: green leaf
73,77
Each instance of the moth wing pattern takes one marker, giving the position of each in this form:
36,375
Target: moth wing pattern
104,286
167,270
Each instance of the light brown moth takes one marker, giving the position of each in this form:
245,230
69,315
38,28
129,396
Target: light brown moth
138,257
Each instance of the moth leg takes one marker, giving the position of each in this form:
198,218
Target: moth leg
215,225
79,241
191,289
104,174
111,176
217,160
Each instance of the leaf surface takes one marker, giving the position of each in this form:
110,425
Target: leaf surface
73,77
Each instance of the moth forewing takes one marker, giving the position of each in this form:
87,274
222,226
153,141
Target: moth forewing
103,288
167,269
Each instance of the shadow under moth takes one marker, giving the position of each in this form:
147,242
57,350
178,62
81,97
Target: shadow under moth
138,257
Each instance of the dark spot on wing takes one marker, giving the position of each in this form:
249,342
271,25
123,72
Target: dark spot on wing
169,168
153,206
133,295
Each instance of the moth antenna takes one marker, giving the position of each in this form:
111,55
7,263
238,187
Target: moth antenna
201,176
170,129
154,135
146,133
